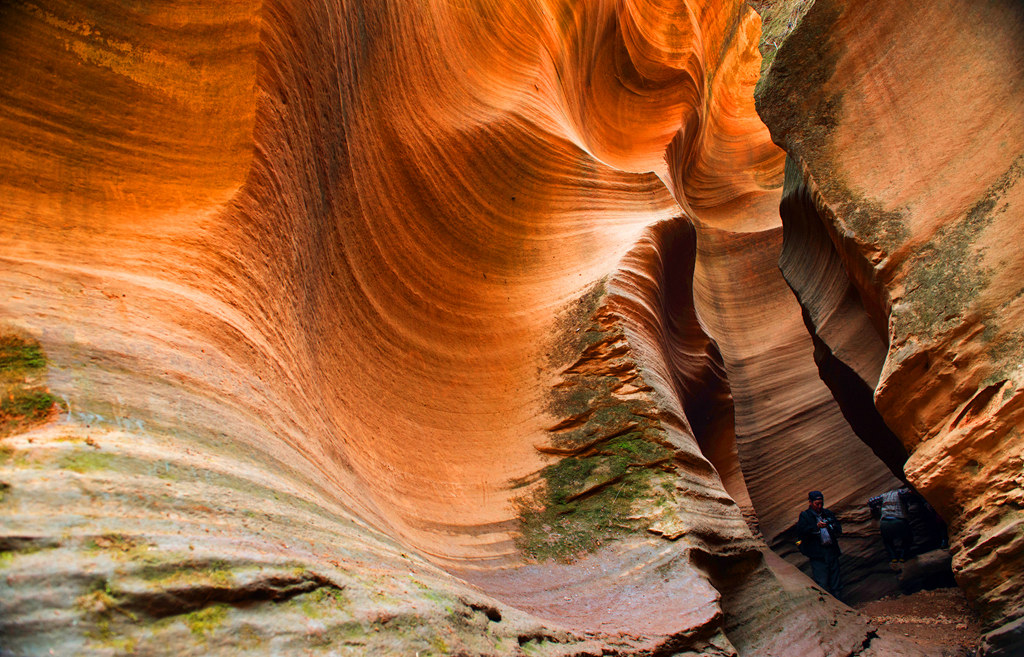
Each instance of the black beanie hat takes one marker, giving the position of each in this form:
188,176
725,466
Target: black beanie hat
815,495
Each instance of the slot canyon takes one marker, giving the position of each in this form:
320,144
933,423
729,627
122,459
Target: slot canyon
503,327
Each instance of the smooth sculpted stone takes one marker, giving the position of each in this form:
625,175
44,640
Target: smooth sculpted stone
435,327
905,128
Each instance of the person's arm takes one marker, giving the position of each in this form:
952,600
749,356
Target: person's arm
875,504
834,525
806,526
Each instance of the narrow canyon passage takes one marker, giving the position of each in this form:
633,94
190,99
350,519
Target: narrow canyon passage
450,328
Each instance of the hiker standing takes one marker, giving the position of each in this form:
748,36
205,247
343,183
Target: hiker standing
891,507
819,531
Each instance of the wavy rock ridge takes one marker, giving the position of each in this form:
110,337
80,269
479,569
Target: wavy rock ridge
450,328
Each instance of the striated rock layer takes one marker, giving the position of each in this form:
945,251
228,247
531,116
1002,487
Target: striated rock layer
443,328
906,134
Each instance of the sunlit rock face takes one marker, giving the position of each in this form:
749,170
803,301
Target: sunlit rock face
907,171
432,327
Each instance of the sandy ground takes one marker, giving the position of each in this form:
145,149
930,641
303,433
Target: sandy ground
940,620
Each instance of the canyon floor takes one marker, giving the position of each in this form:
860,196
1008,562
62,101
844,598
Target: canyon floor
936,620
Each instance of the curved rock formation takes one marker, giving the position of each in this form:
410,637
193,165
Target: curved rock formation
909,170
450,328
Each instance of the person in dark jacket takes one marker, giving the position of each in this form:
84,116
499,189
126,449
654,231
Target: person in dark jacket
819,531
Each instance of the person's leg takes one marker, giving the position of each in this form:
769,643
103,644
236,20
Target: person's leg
819,573
835,581
906,539
890,533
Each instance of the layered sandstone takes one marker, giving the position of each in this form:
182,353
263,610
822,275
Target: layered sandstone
440,328
906,173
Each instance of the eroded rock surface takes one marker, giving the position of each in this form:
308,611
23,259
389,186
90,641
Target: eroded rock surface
911,166
437,328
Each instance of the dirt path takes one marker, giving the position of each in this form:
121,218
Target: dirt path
939,620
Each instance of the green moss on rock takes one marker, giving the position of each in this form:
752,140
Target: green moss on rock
86,460
204,622
949,274
20,354
611,452
868,220
24,398
324,600
778,19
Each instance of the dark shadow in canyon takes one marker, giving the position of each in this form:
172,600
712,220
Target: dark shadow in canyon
845,324
848,348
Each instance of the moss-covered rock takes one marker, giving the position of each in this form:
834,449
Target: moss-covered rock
203,622
610,448
25,400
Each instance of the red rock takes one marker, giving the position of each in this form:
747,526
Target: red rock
360,311
913,163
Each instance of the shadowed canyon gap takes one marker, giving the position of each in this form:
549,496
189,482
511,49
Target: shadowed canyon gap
499,328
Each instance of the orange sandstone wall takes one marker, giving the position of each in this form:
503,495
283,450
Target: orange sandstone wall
912,162
309,276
